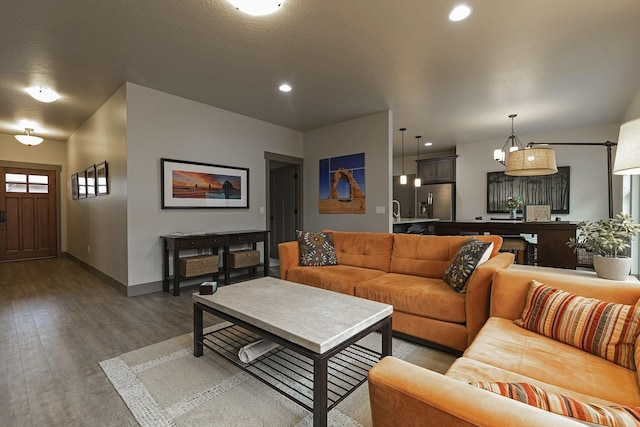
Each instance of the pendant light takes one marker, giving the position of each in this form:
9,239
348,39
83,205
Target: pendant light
28,138
403,177
418,181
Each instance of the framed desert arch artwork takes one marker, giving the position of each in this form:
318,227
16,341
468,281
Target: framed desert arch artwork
342,185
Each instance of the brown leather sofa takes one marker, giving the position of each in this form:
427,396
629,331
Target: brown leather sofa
406,271
404,394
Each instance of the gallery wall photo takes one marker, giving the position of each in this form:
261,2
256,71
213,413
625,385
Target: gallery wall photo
342,186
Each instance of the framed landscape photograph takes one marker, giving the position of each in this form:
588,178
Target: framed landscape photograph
202,185
91,181
82,185
74,186
102,179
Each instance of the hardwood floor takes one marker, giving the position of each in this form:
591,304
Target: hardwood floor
57,321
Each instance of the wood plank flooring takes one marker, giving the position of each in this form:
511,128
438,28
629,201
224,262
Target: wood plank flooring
57,321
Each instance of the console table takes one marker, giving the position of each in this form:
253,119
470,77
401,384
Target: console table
174,243
552,237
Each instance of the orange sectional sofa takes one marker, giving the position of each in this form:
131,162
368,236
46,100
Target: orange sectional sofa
405,394
406,271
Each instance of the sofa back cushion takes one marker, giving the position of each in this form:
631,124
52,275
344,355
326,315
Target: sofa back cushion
362,249
429,256
606,329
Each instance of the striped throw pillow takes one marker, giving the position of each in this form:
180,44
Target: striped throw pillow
606,329
615,416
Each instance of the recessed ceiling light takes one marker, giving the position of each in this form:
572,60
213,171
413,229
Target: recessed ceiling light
257,7
460,12
284,88
428,144
43,94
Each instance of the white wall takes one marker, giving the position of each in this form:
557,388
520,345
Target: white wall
588,187
370,135
97,226
162,125
48,153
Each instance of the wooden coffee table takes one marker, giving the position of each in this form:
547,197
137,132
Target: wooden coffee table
319,362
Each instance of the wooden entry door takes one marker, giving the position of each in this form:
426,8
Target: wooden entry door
284,206
28,225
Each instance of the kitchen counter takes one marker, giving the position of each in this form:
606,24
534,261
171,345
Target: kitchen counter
412,225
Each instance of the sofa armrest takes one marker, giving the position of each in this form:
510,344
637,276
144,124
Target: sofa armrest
402,394
479,292
289,254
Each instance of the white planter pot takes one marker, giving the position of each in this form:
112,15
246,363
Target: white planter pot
612,268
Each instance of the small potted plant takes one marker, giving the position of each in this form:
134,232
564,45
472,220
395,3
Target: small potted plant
607,240
513,203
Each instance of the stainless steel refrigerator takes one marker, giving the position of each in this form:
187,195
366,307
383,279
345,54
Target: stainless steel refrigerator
436,201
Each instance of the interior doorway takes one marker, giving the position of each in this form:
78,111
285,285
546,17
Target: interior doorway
284,199
28,213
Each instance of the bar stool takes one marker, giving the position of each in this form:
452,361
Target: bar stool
516,245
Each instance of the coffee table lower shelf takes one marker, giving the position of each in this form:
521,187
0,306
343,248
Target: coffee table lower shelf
291,373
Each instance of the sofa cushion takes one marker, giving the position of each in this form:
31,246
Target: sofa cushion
361,249
622,416
338,278
421,296
472,253
316,249
503,351
429,256
605,329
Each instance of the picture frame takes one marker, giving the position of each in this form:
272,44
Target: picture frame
189,185
537,213
552,190
102,179
82,185
74,186
90,174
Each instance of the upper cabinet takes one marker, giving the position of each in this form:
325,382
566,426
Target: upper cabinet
438,170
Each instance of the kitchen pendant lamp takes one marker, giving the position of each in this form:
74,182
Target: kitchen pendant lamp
418,181
28,138
403,177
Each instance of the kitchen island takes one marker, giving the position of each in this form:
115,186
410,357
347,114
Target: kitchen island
552,249
413,225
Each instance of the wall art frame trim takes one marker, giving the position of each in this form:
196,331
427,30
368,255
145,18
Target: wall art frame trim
193,185
552,190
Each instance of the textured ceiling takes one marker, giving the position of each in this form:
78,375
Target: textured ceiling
556,63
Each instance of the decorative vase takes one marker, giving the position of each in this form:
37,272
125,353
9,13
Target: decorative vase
513,214
612,268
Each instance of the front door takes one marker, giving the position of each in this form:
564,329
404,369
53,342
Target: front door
27,214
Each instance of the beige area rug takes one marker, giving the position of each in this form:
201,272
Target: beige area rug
165,385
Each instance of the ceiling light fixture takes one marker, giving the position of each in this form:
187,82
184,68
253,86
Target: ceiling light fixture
28,138
257,7
511,144
418,181
460,13
43,94
403,177
428,144
285,88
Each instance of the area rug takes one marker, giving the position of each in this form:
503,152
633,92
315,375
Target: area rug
165,385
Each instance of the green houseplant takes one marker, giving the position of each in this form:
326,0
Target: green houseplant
607,240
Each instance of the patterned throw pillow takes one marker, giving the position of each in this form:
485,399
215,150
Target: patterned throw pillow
530,394
316,249
464,262
606,329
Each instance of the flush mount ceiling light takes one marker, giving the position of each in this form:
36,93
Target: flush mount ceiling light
460,13
428,144
257,7
285,88
28,138
43,94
